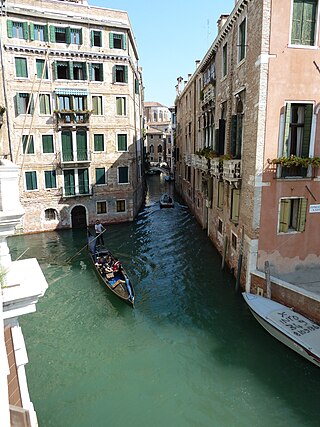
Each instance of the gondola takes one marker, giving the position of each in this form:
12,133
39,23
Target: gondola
110,271
166,201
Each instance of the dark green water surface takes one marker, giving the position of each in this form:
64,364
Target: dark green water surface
189,355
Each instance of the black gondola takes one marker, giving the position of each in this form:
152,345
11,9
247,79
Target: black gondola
110,271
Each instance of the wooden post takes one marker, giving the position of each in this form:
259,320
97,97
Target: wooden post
268,282
240,261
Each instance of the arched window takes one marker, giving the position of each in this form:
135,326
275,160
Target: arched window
50,214
159,148
151,149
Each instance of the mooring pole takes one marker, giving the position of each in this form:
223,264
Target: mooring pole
268,281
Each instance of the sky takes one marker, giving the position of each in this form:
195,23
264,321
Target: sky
171,35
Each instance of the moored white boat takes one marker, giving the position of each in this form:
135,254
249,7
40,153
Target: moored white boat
291,328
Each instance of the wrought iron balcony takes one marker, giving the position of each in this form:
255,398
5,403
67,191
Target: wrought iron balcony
69,159
76,190
71,117
232,170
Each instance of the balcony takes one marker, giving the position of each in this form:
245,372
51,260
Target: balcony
76,190
208,97
200,162
232,170
188,159
216,167
72,118
72,159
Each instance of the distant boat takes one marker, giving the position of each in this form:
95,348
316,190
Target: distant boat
110,271
166,201
291,328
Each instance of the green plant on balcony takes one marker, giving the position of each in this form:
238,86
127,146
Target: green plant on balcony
206,152
225,157
295,161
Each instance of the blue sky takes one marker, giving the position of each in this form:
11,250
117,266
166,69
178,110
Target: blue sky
171,35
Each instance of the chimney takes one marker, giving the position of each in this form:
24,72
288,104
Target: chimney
197,63
189,75
185,82
221,21
179,85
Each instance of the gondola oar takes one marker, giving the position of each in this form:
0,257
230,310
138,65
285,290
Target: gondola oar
69,259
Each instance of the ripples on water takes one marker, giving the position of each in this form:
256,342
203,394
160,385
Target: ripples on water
189,354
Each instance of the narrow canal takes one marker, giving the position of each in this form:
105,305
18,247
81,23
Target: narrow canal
189,355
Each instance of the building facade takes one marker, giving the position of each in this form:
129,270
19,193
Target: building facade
247,158
72,90
158,130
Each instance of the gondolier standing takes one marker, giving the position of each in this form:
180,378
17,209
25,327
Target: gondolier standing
99,229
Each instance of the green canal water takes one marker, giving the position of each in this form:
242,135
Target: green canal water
189,355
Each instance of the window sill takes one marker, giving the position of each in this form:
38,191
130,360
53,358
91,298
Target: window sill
302,46
241,62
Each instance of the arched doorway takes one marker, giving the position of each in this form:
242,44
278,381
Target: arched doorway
78,217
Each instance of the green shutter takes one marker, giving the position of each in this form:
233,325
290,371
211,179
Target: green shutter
122,142
68,35
308,112
83,177
233,144
124,41
98,142
302,214
101,72
111,40
10,29
92,37
28,146
285,206
309,22
114,72
82,153
286,132
296,22
31,180
136,86
47,144
55,70
100,176
46,33
71,70
67,152
80,36
50,179
90,70
125,73
52,33
31,31
69,188
84,69
25,30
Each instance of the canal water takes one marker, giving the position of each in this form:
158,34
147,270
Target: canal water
189,355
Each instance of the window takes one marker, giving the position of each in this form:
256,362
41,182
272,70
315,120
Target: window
297,130
304,22
28,144
293,213
136,86
154,116
151,149
220,226
97,105
123,175
79,71
39,32
234,241
121,206
235,204
64,102
44,103
220,194
96,72
100,176
79,102
41,73
50,215
76,35
120,74
21,67
31,180
242,41
159,148
224,60
83,177
121,106
47,144
50,178
60,34
24,103
69,182
81,141
18,30
96,39
98,142
118,41
62,70
101,207
66,144
122,142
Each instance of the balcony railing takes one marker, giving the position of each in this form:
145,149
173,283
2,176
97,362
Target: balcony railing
216,167
69,117
208,96
232,170
79,156
77,190
200,162
188,159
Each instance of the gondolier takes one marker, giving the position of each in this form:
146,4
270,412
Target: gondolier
99,229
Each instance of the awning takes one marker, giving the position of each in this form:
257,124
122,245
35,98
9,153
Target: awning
67,91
